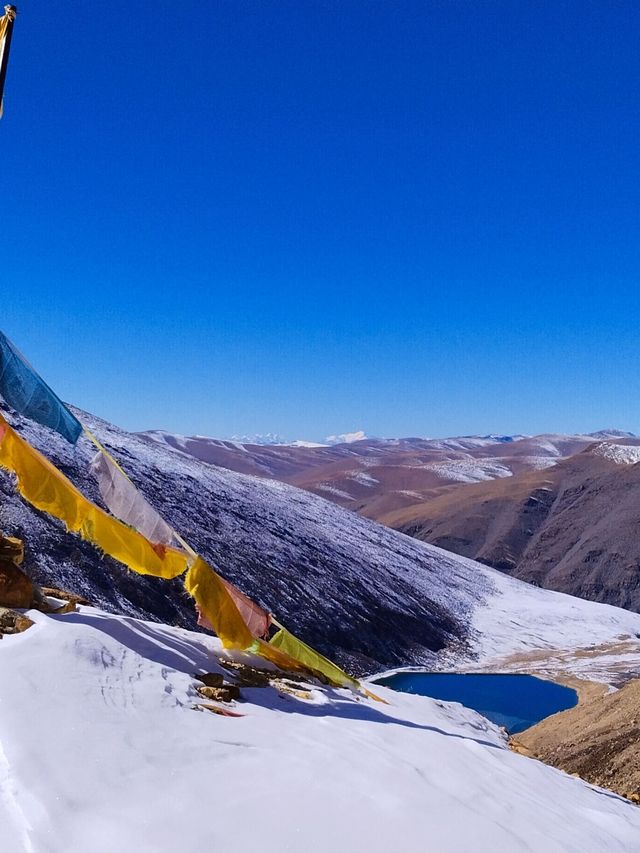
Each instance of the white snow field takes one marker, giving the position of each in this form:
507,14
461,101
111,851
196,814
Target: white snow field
100,751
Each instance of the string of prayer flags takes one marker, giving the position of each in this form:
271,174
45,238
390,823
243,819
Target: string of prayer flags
47,489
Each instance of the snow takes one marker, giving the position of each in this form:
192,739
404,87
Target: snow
621,454
332,490
537,463
468,470
363,478
100,750
301,443
261,439
522,618
346,437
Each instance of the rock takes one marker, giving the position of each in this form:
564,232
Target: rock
16,590
11,550
225,712
251,676
54,592
12,622
210,679
227,693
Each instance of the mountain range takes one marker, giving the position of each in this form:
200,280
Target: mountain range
367,595
555,510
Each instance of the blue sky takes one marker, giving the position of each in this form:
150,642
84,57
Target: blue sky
239,216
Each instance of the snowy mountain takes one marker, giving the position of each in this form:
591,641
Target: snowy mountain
486,497
612,433
571,527
260,439
367,595
100,750
346,437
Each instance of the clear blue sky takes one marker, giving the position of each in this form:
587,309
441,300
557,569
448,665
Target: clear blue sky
416,218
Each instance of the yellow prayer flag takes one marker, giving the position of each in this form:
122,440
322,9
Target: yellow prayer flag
312,660
47,489
217,606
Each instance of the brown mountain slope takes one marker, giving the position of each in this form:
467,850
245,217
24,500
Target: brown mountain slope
573,527
377,476
597,739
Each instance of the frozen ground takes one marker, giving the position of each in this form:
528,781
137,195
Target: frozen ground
100,750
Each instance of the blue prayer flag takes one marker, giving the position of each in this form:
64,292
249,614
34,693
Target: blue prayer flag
29,395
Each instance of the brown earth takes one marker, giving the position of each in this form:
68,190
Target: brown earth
598,740
572,527
377,476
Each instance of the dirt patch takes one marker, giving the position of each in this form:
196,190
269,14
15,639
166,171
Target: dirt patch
598,740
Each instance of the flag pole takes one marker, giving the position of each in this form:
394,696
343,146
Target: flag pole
10,12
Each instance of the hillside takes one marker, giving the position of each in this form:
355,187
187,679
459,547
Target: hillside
597,739
554,510
362,593
378,476
111,756
572,527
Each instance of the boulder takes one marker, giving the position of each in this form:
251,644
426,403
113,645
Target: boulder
16,589
12,622
210,679
223,694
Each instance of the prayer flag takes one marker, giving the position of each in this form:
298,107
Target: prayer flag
6,31
124,501
29,395
47,489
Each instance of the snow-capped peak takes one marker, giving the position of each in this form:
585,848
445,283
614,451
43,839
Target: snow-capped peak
264,439
621,454
346,437
612,433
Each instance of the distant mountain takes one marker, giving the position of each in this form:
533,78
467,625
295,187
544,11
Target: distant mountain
612,433
360,592
263,439
377,476
571,527
479,496
346,437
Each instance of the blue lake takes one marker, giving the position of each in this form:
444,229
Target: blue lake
513,701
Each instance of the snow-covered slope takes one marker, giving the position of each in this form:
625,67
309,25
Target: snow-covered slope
100,750
366,595
622,454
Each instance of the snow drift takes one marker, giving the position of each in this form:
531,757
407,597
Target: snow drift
100,750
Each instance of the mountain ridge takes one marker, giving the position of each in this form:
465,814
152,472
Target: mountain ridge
371,597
